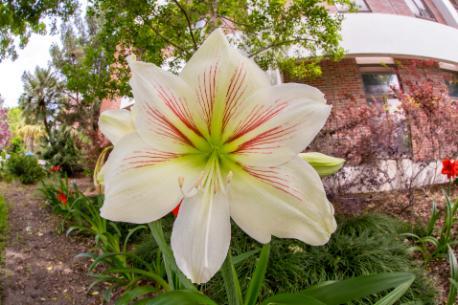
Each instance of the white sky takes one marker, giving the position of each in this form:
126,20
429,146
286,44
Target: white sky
36,53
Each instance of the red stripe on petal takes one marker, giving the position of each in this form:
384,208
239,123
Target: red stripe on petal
206,92
142,158
275,178
235,91
163,126
259,115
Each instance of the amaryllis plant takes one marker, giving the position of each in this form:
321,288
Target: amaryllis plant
222,143
222,140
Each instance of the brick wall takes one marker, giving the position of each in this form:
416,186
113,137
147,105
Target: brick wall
342,85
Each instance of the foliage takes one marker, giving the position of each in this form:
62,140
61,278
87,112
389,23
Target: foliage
41,97
361,245
31,135
267,29
15,119
438,234
22,18
133,261
24,168
60,149
4,126
453,290
16,146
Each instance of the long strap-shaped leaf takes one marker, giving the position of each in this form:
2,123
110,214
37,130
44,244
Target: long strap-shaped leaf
231,282
453,290
169,261
341,292
179,297
254,288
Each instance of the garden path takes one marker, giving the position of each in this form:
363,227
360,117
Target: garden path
40,262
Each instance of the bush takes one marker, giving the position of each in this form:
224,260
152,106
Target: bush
16,146
361,245
60,149
25,168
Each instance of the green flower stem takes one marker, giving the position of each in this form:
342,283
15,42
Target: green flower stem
231,282
173,273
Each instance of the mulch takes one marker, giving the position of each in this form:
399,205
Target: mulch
40,261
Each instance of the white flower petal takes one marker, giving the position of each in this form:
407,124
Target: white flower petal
141,183
165,108
287,201
280,123
201,235
115,124
222,79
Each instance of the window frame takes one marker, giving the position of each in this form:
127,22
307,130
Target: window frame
431,16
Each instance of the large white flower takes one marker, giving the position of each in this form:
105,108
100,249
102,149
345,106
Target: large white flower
224,142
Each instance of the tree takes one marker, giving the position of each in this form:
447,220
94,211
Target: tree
41,98
168,32
22,18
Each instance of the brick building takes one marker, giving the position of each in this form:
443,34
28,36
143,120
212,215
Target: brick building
384,42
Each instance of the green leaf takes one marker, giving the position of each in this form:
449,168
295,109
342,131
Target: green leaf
231,282
453,276
130,295
240,258
292,299
179,297
359,287
341,292
167,255
257,279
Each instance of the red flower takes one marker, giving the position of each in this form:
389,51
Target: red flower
55,168
62,198
450,168
177,209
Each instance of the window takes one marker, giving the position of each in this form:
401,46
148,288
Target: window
453,87
360,6
380,86
419,8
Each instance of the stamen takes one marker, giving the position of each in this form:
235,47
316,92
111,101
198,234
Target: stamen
181,181
229,177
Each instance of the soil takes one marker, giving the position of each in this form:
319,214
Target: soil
40,261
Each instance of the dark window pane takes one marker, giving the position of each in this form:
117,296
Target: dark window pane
380,85
453,88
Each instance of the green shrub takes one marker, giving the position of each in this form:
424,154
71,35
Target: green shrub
24,168
361,245
60,149
16,146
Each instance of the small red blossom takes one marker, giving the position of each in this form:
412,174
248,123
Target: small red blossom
177,209
62,198
450,168
55,168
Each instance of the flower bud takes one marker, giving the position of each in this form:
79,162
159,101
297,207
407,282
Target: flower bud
325,165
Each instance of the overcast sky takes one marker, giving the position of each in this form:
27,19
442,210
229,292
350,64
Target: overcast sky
36,53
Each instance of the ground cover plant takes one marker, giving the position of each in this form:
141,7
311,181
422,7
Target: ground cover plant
130,260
